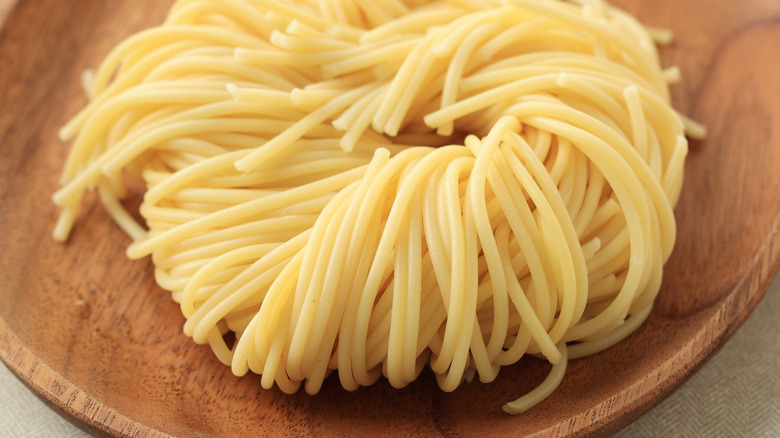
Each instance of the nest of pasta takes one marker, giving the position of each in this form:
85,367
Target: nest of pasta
373,188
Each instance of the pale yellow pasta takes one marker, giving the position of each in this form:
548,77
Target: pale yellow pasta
377,188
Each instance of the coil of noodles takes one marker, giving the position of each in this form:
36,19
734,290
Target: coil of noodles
376,188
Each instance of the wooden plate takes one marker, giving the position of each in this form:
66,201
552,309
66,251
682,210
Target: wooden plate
90,332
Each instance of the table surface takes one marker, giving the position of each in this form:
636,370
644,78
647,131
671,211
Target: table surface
737,393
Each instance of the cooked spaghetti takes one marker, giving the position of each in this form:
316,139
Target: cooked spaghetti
374,188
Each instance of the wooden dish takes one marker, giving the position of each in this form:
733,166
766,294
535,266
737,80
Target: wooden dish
91,333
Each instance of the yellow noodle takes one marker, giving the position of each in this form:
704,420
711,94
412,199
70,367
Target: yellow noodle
373,189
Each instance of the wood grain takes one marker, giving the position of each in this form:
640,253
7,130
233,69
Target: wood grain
5,8
91,333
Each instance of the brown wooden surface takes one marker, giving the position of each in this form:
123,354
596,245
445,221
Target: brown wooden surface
90,332
5,7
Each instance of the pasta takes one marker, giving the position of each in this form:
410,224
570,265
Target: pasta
375,188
